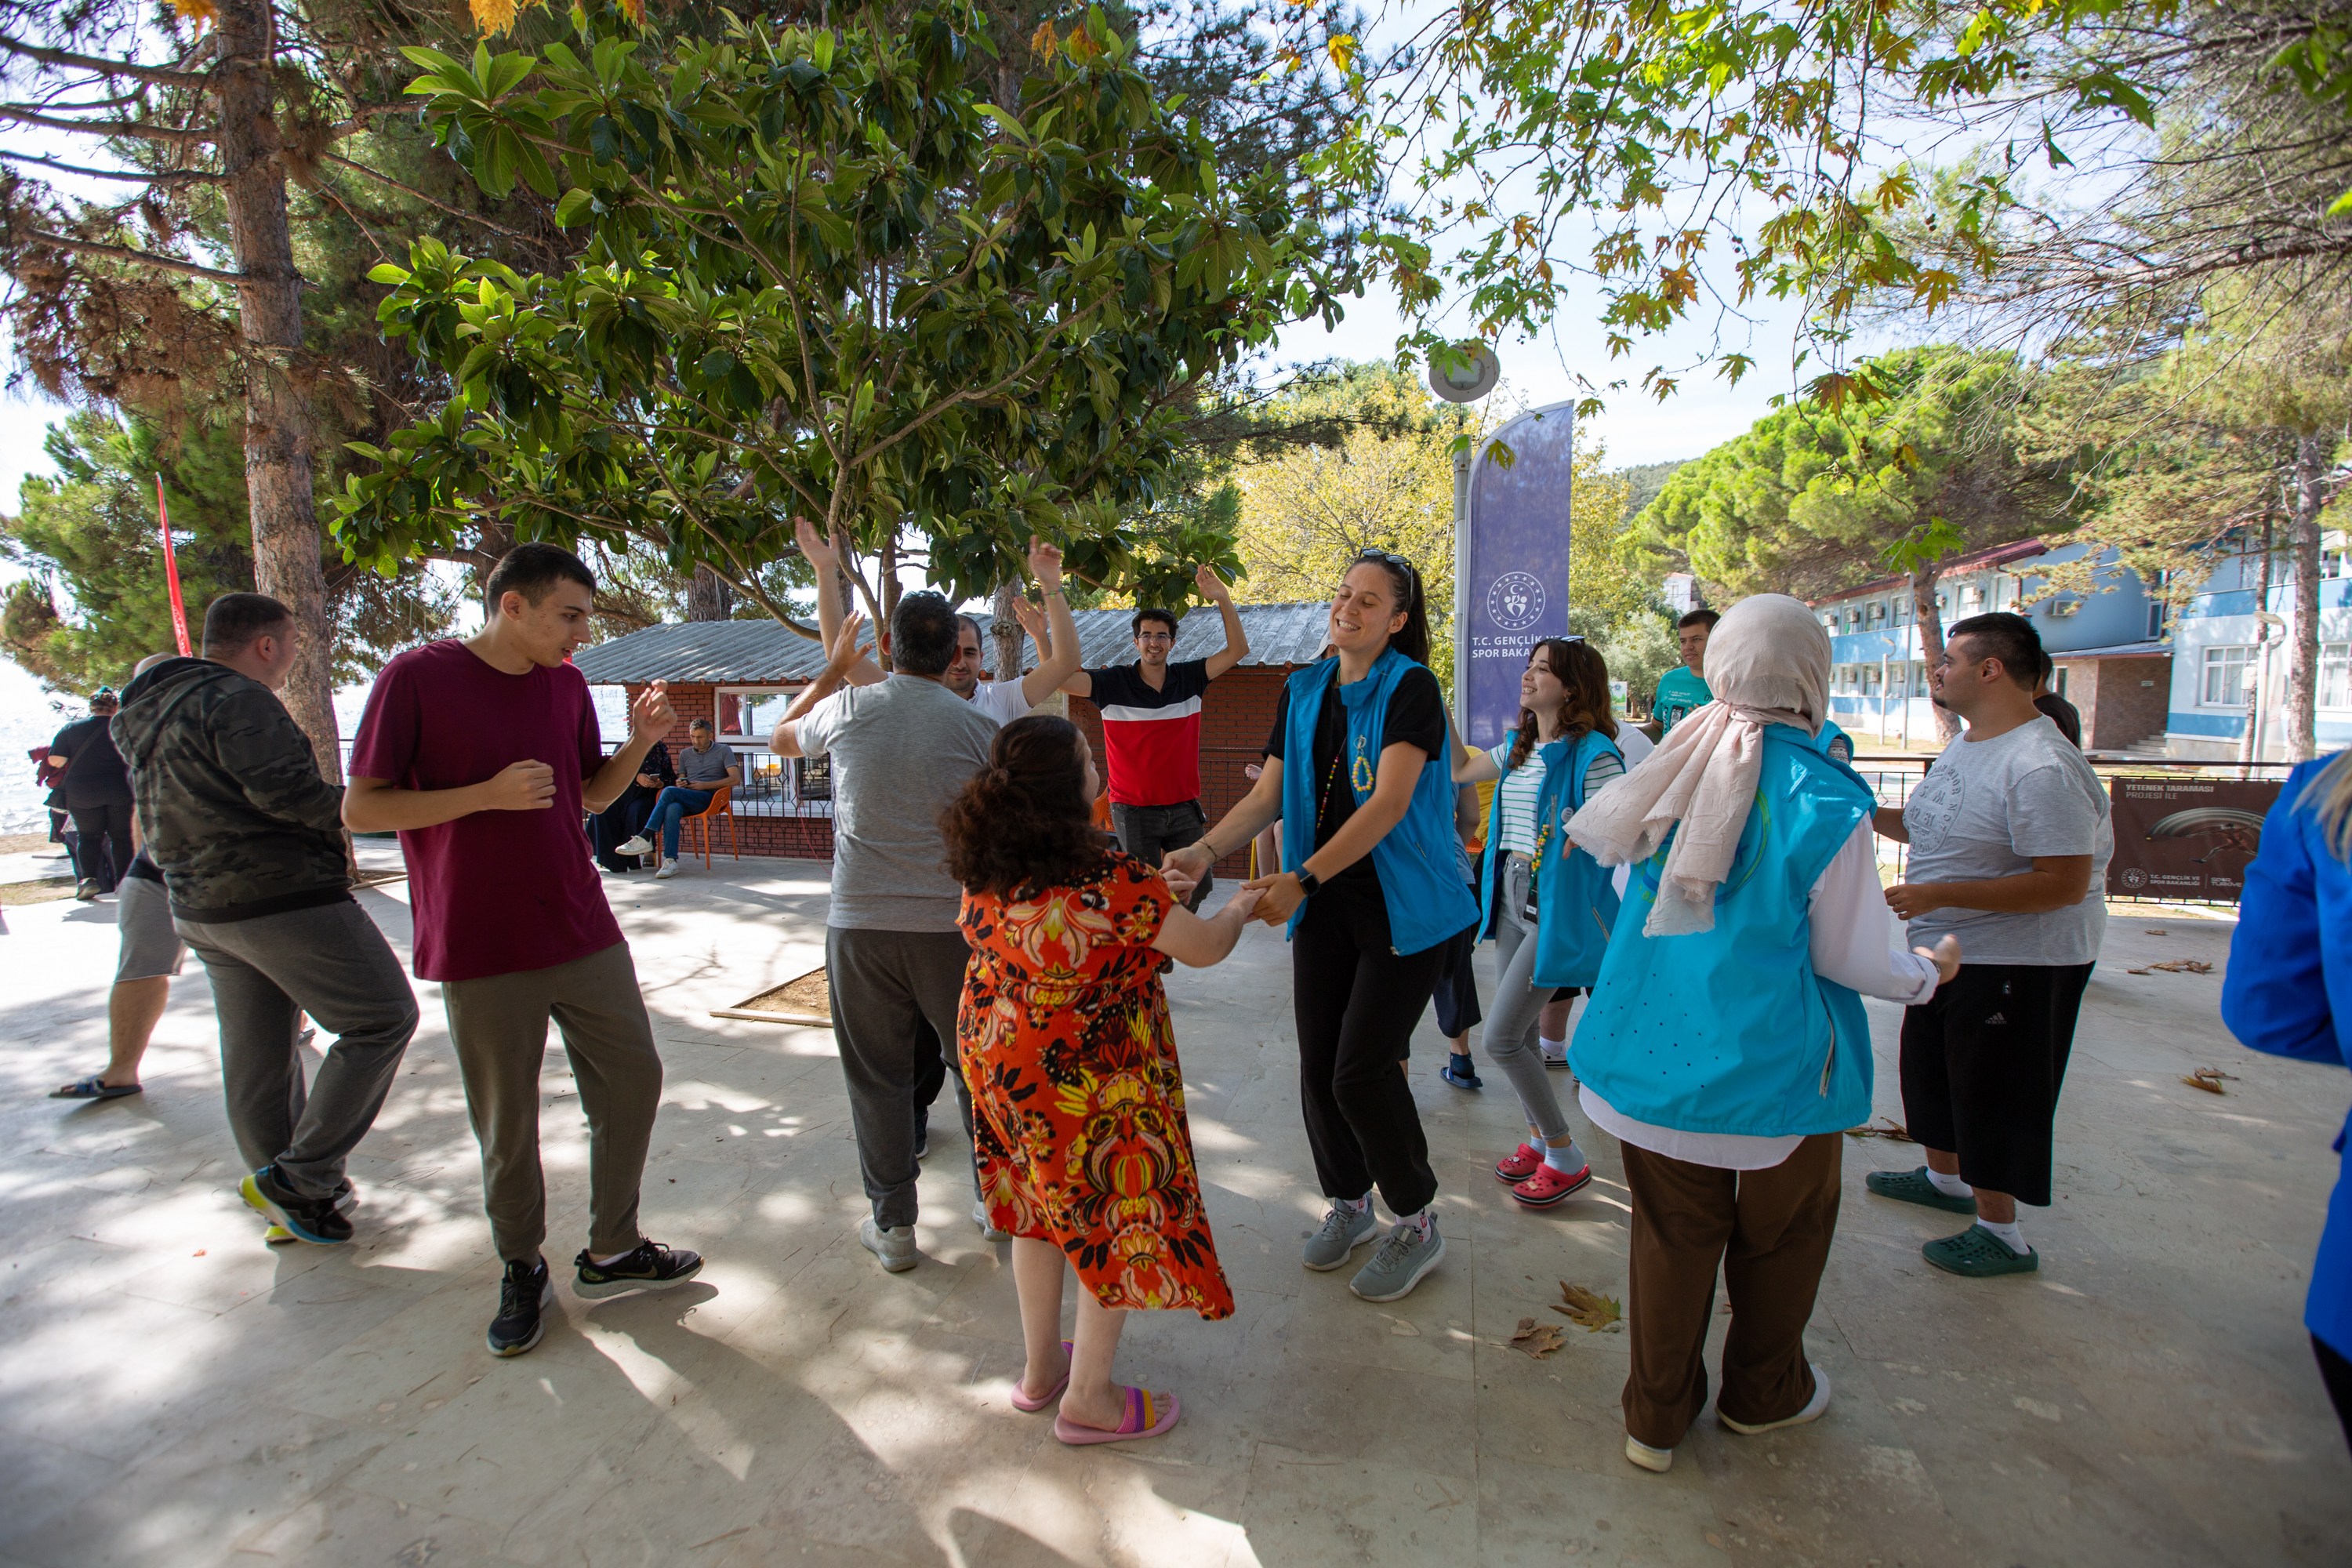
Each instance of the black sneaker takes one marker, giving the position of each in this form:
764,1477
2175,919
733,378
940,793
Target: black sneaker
315,1220
652,1266
524,1294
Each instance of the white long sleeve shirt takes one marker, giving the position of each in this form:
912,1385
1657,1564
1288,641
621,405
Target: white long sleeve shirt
1857,941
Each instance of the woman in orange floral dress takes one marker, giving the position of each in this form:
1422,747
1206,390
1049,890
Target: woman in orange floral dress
1077,1101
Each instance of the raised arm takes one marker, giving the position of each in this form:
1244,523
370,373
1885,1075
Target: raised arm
650,717
786,741
1056,636
824,556
1237,647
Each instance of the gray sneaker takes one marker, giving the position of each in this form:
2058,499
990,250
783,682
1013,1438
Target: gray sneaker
1342,1233
988,1232
1399,1265
895,1247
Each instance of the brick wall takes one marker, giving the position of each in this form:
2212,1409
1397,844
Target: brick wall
1236,718
2121,700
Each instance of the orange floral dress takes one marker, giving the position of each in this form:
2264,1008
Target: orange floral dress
1077,1101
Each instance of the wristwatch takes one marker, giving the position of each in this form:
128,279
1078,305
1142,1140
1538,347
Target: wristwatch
1307,880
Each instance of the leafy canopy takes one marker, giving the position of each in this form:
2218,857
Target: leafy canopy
824,277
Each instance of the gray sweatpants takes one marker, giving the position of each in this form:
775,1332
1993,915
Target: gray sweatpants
332,963
879,982
498,1026
1510,1032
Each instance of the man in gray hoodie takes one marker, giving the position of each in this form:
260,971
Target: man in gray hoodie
249,837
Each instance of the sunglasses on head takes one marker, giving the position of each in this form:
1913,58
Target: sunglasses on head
1382,555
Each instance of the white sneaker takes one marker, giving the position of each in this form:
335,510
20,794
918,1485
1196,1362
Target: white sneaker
1659,1460
668,868
636,845
1812,1411
895,1247
987,1232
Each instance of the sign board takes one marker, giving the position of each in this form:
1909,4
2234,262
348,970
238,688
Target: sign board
2186,838
1510,580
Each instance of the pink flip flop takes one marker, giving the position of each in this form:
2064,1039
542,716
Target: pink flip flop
1028,1406
1149,1414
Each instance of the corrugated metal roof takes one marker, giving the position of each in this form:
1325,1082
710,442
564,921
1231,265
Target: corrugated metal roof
760,653
2147,650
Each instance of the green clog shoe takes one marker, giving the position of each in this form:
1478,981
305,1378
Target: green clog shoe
1978,1254
1914,1187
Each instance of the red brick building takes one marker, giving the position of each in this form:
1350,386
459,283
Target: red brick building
742,675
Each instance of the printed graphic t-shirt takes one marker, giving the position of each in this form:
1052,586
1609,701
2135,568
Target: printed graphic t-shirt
497,893
1152,740
1680,694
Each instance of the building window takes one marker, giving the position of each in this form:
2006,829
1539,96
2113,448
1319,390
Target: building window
1829,623
1874,612
2335,555
1870,681
750,713
2224,684
2336,674
2063,609
1899,611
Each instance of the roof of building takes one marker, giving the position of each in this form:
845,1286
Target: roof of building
1975,560
2147,649
759,653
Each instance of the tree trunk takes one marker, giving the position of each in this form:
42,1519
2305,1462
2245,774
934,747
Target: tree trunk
1931,644
708,597
2249,744
2301,715
277,436
1006,631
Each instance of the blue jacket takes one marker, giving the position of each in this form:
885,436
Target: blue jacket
1419,860
2289,992
1730,1030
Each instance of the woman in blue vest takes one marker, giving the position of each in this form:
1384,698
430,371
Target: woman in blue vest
1725,1046
1557,755
2289,992
1357,770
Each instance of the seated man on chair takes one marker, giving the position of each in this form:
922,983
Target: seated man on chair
704,768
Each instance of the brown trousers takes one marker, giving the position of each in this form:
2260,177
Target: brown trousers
499,1024
1770,1231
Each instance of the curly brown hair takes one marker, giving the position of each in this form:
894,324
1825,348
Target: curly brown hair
1024,822
1580,668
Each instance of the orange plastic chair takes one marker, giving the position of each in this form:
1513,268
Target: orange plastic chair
700,822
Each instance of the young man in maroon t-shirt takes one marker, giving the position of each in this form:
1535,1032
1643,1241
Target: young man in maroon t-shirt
482,755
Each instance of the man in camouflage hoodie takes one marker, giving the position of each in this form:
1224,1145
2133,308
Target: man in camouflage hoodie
249,837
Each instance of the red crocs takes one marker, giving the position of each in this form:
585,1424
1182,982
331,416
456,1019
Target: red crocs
1549,1186
1513,1169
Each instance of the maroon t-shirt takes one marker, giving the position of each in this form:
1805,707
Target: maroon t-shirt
498,891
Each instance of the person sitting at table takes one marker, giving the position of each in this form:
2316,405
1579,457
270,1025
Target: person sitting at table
705,768
625,819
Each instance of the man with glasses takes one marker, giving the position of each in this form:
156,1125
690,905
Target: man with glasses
1151,730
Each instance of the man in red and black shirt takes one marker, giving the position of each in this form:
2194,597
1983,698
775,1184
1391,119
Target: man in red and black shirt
1151,730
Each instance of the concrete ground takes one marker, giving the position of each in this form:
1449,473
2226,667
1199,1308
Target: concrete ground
171,1392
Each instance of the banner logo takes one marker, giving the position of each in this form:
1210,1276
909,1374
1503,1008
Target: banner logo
1516,602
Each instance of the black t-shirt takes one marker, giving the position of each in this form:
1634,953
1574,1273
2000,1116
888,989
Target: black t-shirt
1416,717
95,772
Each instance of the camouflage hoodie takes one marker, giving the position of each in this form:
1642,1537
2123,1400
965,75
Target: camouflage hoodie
229,798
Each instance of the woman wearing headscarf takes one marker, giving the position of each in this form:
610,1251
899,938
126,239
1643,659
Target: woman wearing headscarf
2288,993
1725,1045
1357,768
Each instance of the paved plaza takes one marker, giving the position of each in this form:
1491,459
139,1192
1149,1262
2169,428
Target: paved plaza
171,1392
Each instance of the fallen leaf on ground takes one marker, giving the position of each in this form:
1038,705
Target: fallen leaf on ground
2176,966
1539,1340
2156,930
2206,1078
1894,1132
1589,1309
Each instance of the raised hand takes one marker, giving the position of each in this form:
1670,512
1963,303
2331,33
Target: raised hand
821,552
650,716
844,652
1045,564
1213,587
1032,619
521,786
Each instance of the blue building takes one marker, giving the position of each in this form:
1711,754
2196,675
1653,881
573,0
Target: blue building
2225,672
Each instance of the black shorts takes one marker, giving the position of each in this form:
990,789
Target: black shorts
1982,1062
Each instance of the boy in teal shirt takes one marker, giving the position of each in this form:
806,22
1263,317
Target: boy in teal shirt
1681,692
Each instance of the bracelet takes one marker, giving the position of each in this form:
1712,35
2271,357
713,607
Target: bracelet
1203,842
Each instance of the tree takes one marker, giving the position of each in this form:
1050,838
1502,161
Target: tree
823,277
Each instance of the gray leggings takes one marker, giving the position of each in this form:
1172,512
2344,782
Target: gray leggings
1510,1031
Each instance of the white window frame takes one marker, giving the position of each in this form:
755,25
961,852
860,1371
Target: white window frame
2335,667
718,706
2208,666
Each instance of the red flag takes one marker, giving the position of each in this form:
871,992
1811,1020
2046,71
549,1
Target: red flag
171,572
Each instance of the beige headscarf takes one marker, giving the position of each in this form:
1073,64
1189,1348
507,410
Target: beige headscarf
1767,662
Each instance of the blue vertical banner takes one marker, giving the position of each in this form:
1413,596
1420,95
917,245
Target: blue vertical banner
1510,578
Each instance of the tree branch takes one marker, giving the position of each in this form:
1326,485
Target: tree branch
163,177
130,128
135,257
159,75
428,201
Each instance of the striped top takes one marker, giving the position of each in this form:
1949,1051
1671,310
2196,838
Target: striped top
1521,787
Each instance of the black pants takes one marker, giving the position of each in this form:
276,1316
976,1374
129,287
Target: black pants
1983,1061
105,851
1147,832
2336,1373
1356,1003
931,1068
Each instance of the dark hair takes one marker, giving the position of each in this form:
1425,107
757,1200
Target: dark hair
978,633
2049,667
923,633
531,570
1413,641
234,620
2008,638
1024,822
1135,622
1699,619
1580,668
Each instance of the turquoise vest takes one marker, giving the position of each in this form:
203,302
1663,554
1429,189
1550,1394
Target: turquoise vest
1418,861
1730,1030
1576,898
